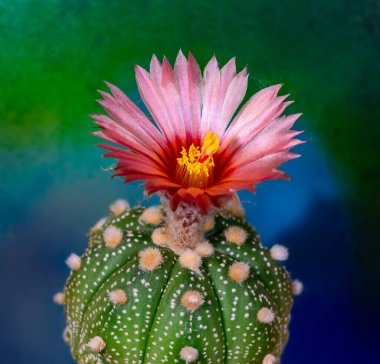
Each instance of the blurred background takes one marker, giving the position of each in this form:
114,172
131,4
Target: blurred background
55,54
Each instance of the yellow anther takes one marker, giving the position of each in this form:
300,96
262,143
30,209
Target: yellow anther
210,144
198,162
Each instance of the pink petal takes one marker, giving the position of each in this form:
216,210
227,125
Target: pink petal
171,99
233,96
273,138
116,134
262,168
223,92
195,96
258,121
241,135
126,155
130,164
158,184
182,75
123,119
151,97
133,115
255,106
210,96
155,69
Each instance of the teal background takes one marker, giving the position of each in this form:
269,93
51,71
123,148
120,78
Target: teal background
54,55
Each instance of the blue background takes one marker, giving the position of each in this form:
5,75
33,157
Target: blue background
54,185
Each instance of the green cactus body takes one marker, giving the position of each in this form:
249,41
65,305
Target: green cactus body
129,300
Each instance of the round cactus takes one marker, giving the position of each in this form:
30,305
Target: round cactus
132,298
188,281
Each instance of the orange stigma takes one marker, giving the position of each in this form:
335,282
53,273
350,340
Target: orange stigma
195,165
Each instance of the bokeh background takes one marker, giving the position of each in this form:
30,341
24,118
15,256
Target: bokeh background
55,54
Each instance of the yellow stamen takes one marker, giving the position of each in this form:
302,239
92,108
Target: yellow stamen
197,163
210,144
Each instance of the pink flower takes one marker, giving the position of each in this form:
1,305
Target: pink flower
192,151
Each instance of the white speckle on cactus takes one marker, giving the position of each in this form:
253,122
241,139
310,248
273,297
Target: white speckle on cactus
96,344
98,226
119,207
150,259
236,235
209,223
265,315
192,300
189,354
279,252
160,237
118,297
191,260
112,236
204,249
297,287
66,335
269,359
59,298
239,272
74,261
152,215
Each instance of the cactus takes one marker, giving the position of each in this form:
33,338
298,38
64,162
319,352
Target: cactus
187,281
132,299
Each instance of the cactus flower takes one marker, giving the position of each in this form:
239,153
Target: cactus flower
196,151
187,281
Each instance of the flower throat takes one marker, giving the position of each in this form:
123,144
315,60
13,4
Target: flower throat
194,167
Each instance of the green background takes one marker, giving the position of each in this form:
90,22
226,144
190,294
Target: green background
54,55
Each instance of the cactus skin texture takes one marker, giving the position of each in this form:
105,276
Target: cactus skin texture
122,306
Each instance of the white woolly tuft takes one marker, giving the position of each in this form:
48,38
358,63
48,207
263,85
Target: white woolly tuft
204,249
191,260
150,259
269,359
235,235
96,344
74,261
192,300
112,236
279,252
184,226
118,297
152,215
119,207
189,354
59,298
297,287
160,237
265,315
239,272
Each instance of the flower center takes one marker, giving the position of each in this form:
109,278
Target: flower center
195,165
